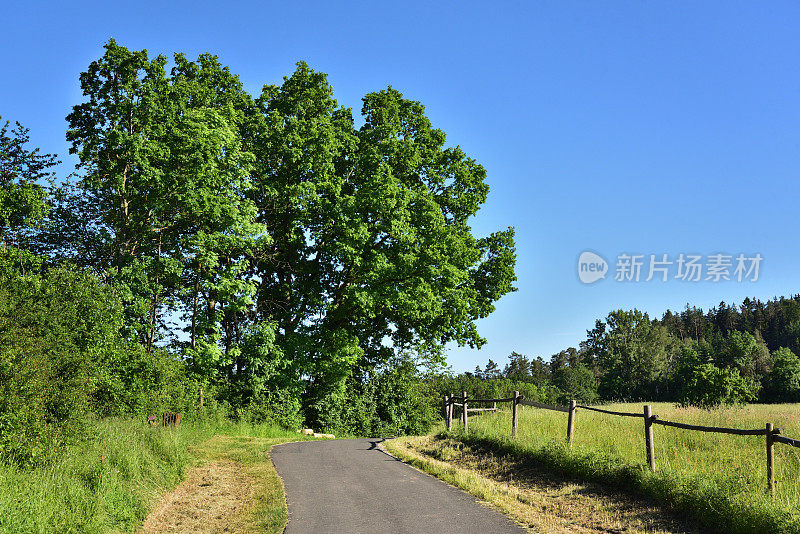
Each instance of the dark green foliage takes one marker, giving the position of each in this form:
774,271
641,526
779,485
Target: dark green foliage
391,402
782,384
53,330
776,322
632,354
707,386
62,358
518,368
574,383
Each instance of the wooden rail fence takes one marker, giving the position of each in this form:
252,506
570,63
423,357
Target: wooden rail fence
772,434
167,419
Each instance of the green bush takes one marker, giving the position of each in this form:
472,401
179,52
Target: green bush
783,381
279,407
62,358
53,330
708,386
390,402
574,383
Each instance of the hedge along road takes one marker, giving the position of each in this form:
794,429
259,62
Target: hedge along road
351,485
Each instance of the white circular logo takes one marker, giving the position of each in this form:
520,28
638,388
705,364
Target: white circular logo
591,267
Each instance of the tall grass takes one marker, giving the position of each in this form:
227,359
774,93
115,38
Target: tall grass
719,478
104,483
109,482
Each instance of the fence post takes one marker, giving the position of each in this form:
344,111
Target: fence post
449,412
451,409
202,400
444,407
464,410
571,422
648,438
770,459
514,414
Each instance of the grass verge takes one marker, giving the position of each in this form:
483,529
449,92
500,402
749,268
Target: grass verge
234,488
717,479
538,499
112,481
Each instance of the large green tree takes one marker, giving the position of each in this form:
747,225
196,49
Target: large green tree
160,206
372,250
298,250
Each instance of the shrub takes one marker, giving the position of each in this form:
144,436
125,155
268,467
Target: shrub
53,331
708,386
783,381
62,358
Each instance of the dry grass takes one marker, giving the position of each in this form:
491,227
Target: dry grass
536,498
234,488
211,499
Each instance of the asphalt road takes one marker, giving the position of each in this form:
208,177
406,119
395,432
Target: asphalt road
351,486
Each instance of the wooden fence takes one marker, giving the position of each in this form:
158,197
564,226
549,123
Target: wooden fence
772,435
167,419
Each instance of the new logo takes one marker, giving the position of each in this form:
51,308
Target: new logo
591,267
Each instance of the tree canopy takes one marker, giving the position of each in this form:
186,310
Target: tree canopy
269,239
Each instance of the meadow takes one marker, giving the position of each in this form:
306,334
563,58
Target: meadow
111,481
720,479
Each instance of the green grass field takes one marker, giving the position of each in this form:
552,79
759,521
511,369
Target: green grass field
719,478
110,483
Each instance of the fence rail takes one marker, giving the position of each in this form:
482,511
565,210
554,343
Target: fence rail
552,407
786,441
610,412
773,435
719,430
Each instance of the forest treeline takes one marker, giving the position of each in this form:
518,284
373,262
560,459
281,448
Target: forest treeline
300,263
730,354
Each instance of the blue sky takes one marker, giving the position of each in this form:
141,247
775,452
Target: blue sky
617,127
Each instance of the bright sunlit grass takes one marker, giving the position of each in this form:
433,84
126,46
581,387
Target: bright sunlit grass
110,482
719,478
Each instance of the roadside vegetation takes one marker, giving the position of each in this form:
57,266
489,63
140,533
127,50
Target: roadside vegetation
113,480
106,482
536,497
233,488
717,480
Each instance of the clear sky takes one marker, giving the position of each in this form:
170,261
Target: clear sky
616,127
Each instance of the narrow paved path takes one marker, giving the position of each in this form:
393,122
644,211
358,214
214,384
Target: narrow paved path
351,486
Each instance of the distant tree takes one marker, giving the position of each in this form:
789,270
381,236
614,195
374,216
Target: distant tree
540,371
560,360
478,373
575,382
744,352
632,355
782,384
708,386
518,367
491,371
